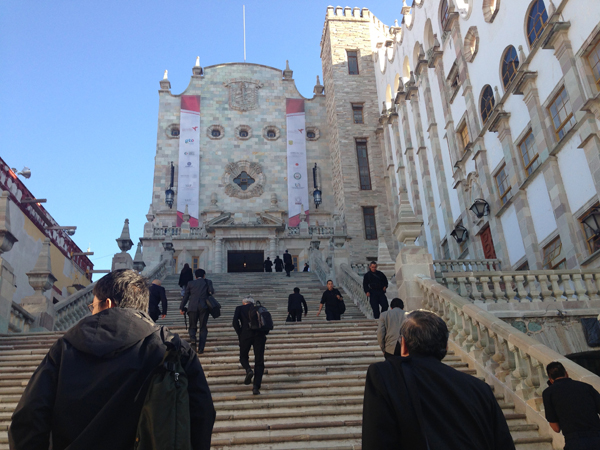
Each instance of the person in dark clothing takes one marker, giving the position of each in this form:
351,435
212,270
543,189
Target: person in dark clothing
157,296
248,337
288,264
268,264
197,292
415,401
306,268
278,264
185,276
295,304
331,299
572,407
375,284
81,397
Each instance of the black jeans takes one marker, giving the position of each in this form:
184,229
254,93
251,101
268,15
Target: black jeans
589,440
377,298
154,314
295,315
200,316
257,341
331,315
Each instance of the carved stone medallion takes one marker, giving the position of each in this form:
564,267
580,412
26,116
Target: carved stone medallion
243,94
243,179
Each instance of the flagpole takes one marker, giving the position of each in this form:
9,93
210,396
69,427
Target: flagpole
244,17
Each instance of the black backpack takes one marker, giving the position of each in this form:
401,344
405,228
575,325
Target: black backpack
164,422
260,318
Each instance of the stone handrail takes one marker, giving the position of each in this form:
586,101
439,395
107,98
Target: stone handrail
160,271
526,286
352,284
72,309
293,231
360,268
20,320
167,231
512,361
319,266
313,230
466,265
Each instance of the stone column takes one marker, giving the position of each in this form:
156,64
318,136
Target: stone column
7,277
273,248
41,280
168,253
218,243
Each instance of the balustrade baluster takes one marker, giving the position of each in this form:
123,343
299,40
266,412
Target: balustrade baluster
475,294
462,288
498,292
590,285
569,291
518,373
521,291
508,287
487,294
556,290
545,291
534,292
579,287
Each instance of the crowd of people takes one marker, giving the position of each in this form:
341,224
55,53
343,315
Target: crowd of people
411,400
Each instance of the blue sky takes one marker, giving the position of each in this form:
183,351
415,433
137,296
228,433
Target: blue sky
80,78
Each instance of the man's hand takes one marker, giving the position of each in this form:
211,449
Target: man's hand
384,288
368,294
181,312
318,313
163,316
305,314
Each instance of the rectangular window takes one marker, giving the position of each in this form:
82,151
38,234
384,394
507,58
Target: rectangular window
562,116
364,172
370,225
503,185
523,267
352,62
463,133
592,240
594,60
357,113
552,256
529,153
195,263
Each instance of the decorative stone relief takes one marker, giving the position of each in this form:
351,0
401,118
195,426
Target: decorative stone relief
231,178
169,131
243,132
243,94
211,132
471,45
490,9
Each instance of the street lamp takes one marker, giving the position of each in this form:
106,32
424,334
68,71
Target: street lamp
592,221
170,193
480,207
26,172
317,191
460,233
69,230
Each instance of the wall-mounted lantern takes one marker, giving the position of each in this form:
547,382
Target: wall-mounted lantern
592,221
170,193
480,207
460,233
316,192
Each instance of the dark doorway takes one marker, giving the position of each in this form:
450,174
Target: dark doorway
245,260
488,244
588,360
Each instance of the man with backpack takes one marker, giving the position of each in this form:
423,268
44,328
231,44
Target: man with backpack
249,323
91,387
197,292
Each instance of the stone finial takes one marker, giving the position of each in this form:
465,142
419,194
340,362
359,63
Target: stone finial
522,57
396,23
400,86
551,8
41,278
287,73
436,43
412,80
197,61
197,70
150,216
7,239
421,52
319,89
165,84
138,260
384,109
497,97
186,215
405,9
124,241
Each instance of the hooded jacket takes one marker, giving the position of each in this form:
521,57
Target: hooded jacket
83,391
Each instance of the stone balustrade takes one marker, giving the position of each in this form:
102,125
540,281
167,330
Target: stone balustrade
319,266
360,268
465,265
507,358
195,232
160,271
316,231
353,286
525,286
20,320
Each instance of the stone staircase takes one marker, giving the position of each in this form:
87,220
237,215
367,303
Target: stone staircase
312,391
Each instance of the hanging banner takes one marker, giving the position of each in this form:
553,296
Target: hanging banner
188,178
296,160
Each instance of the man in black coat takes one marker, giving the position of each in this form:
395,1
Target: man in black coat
81,396
295,304
375,284
197,292
572,407
287,262
157,296
278,264
268,264
248,337
415,401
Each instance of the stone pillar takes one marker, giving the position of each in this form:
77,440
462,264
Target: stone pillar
218,243
41,280
149,225
340,255
123,260
7,277
168,253
185,226
273,248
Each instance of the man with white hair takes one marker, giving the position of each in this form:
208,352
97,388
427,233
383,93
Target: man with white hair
250,338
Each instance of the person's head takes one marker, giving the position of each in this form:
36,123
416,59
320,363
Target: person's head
305,264
397,303
186,266
200,273
268,259
373,266
277,257
156,282
286,251
247,300
556,370
296,290
123,288
424,334
329,285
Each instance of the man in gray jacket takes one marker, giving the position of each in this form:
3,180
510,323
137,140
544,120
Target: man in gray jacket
388,328
197,292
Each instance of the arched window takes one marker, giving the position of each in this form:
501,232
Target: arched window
487,103
536,21
444,15
510,64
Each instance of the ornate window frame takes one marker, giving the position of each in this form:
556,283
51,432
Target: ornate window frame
253,169
268,128
471,44
532,33
509,65
241,128
490,10
313,130
210,129
171,127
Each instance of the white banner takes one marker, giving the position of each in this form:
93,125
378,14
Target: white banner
296,161
188,179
